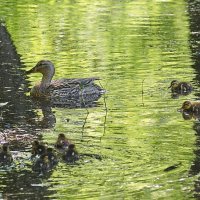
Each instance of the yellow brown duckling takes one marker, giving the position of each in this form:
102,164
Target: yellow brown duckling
189,106
62,142
180,87
38,148
71,155
51,156
42,164
5,155
61,89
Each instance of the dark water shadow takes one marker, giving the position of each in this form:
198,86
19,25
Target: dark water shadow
194,23
26,185
16,118
13,86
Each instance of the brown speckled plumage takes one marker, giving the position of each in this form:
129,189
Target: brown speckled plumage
62,89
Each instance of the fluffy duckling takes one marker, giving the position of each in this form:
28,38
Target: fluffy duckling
5,155
51,156
180,87
71,155
62,142
37,148
189,106
42,164
190,110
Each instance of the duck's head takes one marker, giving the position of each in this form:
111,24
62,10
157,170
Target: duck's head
71,147
174,84
45,67
187,105
61,136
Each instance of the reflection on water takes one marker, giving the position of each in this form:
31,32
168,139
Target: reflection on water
148,150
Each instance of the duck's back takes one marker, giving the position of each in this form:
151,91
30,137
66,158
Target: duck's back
83,89
70,83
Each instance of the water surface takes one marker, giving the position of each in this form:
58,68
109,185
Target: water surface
137,48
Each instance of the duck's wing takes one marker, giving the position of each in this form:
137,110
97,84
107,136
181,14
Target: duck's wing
70,83
185,87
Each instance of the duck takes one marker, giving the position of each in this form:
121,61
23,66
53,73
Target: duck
37,148
190,110
180,87
42,164
5,155
51,156
71,155
62,142
62,89
189,106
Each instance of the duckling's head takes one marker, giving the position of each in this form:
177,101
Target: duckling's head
187,105
71,147
45,67
61,136
174,84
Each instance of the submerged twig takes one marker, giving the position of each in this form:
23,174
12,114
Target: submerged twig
83,127
143,92
106,109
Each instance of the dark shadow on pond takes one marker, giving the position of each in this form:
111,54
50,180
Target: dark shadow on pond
25,185
13,86
194,20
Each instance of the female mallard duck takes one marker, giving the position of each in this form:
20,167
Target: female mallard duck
180,87
62,89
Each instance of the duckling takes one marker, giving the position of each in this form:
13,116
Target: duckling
62,142
5,155
37,148
42,164
190,110
189,106
180,87
62,89
71,155
51,156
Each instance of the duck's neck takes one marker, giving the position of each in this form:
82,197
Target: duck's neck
46,80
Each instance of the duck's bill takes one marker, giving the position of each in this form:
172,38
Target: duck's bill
30,71
180,110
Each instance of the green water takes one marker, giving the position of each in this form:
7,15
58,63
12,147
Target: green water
137,48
